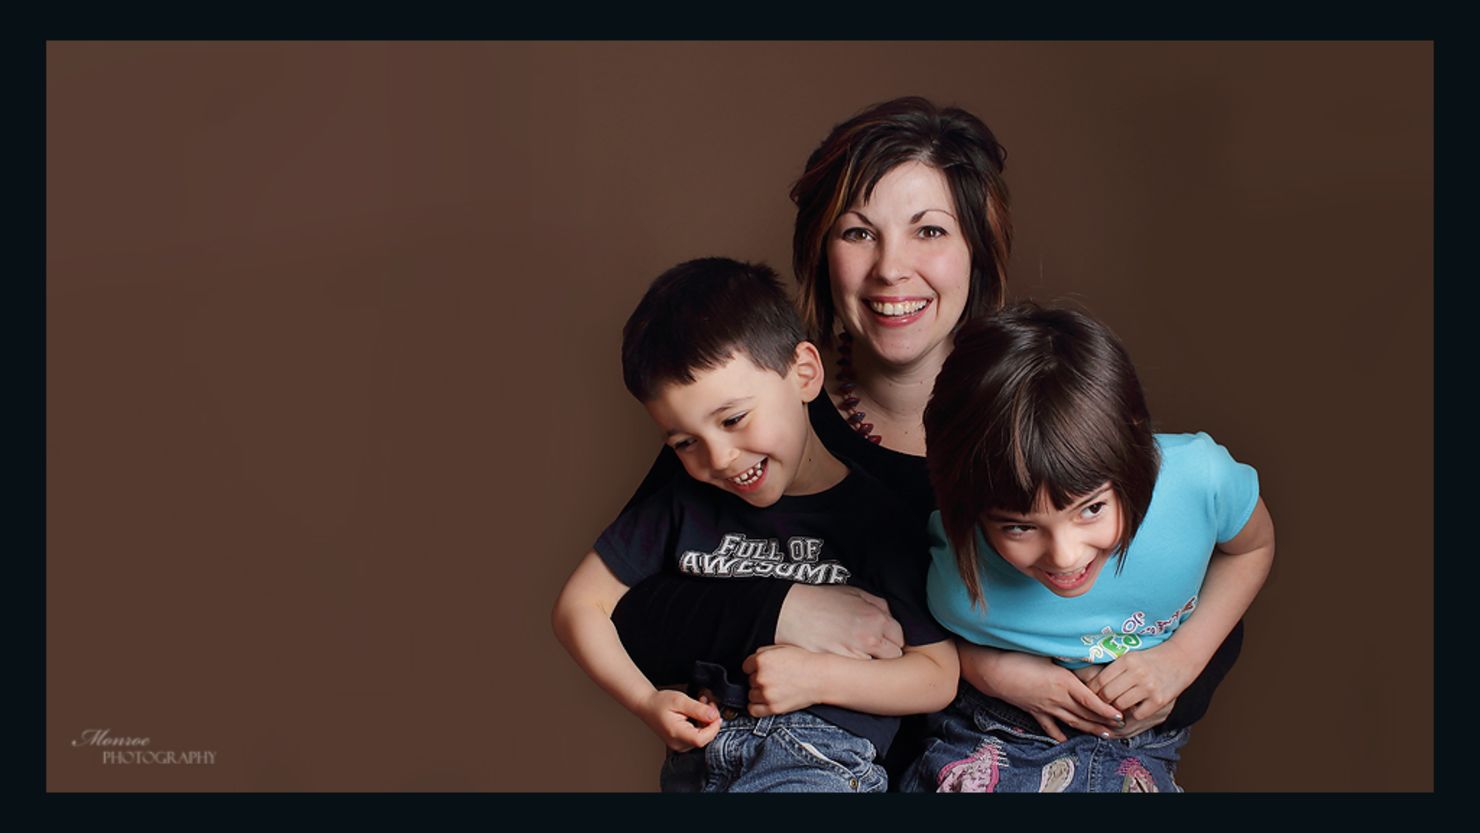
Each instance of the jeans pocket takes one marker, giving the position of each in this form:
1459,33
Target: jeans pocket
837,753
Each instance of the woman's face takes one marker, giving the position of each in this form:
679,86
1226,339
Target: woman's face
900,267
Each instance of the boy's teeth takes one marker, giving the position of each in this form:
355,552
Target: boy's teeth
902,308
744,478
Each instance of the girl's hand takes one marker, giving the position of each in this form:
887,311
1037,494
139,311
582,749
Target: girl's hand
1146,683
1049,692
779,680
673,715
837,619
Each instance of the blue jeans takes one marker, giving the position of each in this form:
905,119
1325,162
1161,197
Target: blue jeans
795,752
982,744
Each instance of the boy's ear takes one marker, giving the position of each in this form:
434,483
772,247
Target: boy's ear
807,370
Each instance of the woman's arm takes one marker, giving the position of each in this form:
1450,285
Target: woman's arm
784,679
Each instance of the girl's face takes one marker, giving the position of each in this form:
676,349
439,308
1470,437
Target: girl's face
900,266
1064,550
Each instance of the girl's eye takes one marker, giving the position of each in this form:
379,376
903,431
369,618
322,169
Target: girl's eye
1017,529
735,420
1093,510
856,234
932,232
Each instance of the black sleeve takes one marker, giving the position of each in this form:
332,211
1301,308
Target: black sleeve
1193,703
721,620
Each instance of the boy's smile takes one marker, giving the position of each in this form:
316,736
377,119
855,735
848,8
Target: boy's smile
744,429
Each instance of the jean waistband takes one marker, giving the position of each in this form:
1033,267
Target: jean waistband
969,697
730,698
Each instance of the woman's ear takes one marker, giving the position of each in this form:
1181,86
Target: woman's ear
807,371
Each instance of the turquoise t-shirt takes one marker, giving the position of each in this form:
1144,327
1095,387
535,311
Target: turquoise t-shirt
1202,497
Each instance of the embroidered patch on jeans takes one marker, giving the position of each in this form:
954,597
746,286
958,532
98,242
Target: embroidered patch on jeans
1057,775
1137,778
978,772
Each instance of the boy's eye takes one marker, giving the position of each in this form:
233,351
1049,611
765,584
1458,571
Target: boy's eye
1093,510
731,422
681,445
856,234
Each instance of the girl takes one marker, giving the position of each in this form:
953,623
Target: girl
1067,529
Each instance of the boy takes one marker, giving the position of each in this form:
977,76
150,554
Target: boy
716,353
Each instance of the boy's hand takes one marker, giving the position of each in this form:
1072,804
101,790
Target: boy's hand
779,680
673,715
1144,683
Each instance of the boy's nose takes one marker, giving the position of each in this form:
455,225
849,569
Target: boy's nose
721,456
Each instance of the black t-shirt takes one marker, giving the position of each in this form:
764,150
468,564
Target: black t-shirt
854,533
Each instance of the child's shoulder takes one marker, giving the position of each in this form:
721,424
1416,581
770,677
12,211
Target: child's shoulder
1196,452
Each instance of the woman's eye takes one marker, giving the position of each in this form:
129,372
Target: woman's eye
735,420
932,232
1093,510
856,234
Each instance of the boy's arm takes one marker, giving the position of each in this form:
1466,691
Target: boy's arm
582,622
1141,682
784,678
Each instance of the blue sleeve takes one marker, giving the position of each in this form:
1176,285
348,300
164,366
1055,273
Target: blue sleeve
1234,486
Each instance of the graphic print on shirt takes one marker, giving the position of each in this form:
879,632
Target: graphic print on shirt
741,557
1109,644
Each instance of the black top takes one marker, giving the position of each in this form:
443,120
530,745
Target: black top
849,534
665,602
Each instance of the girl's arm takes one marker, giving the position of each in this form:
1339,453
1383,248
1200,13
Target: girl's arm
784,678
1141,682
582,622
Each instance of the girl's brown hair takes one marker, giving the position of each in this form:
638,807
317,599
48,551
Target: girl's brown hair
1031,398
860,151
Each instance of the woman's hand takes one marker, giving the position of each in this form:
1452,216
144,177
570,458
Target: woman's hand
1135,723
681,721
837,619
780,681
1145,683
1049,692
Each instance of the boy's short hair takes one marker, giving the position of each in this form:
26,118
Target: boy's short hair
698,314
1036,397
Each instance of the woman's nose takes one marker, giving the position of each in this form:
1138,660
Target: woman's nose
892,265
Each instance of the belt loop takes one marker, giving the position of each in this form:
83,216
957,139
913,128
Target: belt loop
763,726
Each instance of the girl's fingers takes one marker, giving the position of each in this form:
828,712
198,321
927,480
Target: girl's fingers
1099,710
1050,727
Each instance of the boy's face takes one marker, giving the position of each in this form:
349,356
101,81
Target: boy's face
744,429
1063,549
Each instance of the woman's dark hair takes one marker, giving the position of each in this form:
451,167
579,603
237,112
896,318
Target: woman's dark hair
860,151
1031,398
698,314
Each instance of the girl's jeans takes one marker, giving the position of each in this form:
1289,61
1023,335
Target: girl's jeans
982,744
794,752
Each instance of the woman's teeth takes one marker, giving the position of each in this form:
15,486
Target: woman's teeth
901,308
745,478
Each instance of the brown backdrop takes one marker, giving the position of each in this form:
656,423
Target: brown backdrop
334,400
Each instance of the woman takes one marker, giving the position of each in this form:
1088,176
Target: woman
903,232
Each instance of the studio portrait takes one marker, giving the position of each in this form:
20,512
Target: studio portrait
739,416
